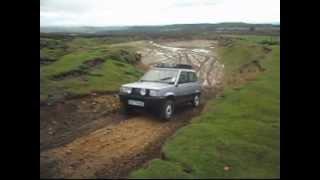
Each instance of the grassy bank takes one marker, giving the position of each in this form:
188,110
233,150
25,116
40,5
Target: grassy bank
80,66
238,136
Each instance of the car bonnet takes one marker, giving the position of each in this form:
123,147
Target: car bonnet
148,85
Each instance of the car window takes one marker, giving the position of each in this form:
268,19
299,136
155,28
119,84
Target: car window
192,77
183,77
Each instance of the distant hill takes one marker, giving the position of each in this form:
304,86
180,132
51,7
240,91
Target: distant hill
79,29
160,28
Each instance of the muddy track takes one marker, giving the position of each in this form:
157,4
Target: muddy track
89,139
204,59
116,149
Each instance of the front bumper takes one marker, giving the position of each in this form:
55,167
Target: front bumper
149,101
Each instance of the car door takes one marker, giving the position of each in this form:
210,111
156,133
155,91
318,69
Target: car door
194,84
183,87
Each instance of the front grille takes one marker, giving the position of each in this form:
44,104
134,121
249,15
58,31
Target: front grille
136,91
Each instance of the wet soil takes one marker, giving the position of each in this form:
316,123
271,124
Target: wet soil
62,122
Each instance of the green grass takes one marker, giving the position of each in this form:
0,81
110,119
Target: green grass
110,77
159,168
255,38
240,129
68,62
241,52
117,69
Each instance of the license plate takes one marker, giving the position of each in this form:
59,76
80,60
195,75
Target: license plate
135,103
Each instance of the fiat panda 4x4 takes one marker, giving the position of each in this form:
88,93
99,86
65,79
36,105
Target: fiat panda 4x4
162,88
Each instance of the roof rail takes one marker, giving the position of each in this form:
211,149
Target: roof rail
178,66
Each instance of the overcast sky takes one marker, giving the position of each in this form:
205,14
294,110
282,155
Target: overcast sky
156,12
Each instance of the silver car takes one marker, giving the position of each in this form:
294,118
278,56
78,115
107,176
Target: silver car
162,88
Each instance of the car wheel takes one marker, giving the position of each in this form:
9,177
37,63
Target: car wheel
196,100
124,109
167,110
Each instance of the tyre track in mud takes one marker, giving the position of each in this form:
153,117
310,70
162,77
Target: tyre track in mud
204,60
117,148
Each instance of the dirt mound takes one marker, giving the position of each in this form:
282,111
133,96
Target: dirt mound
266,49
68,74
93,63
45,60
125,56
245,73
225,41
252,67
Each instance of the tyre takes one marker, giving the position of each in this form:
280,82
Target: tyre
167,110
196,100
125,109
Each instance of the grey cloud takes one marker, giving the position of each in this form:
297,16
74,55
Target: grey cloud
110,12
193,3
71,6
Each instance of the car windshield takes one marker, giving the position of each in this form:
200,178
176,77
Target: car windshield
160,75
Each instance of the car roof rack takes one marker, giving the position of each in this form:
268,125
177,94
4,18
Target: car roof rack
177,66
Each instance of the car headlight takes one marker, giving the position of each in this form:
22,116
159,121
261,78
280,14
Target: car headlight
143,92
153,93
126,90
